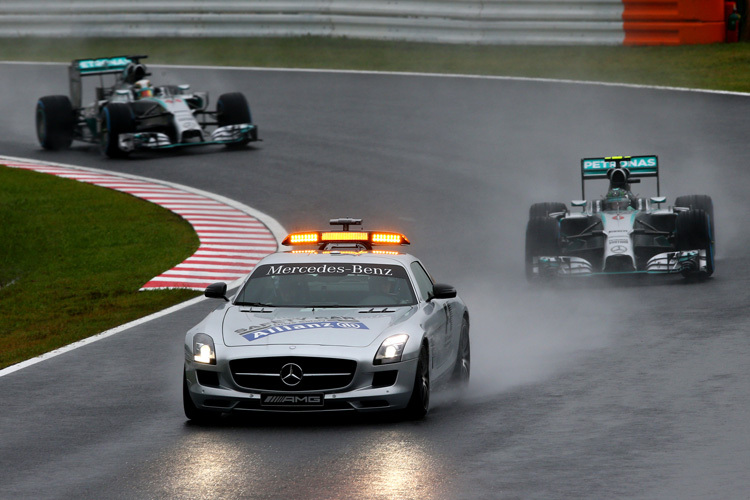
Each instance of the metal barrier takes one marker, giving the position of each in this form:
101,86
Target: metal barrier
457,21
599,22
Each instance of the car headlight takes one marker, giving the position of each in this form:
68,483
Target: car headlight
204,350
391,349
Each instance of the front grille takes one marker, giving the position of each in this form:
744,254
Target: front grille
318,374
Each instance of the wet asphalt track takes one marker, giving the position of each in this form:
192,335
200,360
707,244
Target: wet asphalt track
638,390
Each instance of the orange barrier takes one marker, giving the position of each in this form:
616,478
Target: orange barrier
674,22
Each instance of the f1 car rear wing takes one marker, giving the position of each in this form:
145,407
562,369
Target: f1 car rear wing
636,166
128,68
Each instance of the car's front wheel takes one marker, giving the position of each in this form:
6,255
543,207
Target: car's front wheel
192,412
116,118
55,122
702,202
462,367
419,403
233,109
693,232
542,239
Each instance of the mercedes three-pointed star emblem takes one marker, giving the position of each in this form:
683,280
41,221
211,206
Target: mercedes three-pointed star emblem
291,374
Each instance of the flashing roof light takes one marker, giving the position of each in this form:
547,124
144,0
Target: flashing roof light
344,236
366,238
387,238
302,238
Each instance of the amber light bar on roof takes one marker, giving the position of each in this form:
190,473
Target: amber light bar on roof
344,236
371,237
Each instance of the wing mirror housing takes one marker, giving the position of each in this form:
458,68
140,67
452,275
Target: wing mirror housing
217,291
658,199
443,291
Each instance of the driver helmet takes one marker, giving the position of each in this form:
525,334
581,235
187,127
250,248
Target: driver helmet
616,199
143,89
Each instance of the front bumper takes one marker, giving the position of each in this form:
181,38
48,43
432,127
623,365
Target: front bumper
685,262
372,387
230,134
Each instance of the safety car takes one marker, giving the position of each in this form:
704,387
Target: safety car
130,113
336,324
621,233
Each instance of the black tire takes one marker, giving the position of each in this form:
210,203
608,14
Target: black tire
55,122
233,109
419,403
542,238
693,232
462,368
192,412
546,208
115,119
698,201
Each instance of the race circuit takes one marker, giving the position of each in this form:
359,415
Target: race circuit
631,390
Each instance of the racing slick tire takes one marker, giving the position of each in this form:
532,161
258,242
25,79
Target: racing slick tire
233,109
700,201
115,119
462,368
542,238
546,208
693,231
419,403
55,122
192,412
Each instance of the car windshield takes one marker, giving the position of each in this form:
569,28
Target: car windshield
327,285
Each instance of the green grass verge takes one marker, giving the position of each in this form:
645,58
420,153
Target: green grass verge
718,66
72,258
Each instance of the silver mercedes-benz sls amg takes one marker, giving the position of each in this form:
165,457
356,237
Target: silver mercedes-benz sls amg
338,327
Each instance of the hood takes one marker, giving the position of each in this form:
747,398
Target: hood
244,326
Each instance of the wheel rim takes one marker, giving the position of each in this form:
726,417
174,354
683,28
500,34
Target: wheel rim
424,380
465,357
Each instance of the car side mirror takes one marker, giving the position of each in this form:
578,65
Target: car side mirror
658,199
443,291
217,291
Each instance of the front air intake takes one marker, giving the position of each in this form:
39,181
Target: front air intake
619,264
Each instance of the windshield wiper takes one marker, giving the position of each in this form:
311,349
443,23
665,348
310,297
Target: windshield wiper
378,309
253,304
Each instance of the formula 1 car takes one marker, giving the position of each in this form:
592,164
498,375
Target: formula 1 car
130,113
339,327
621,233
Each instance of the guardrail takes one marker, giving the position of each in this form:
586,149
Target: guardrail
452,21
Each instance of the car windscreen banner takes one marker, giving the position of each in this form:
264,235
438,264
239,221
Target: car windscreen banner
344,269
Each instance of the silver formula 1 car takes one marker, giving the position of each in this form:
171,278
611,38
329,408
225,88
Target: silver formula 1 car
340,327
621,233
129,113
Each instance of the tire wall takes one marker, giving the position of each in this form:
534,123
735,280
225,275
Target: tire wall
528,22
677,22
